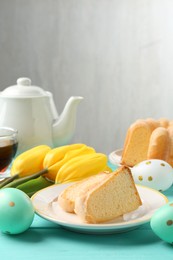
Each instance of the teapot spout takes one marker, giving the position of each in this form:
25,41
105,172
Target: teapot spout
64,127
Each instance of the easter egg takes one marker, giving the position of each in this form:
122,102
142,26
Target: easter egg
156,174
16,211
162,222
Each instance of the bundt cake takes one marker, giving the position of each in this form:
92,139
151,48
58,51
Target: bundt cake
148,139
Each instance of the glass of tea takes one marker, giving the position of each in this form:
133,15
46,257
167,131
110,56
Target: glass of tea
8,147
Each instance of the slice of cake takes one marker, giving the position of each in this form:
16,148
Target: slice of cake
113,197
66,199
109,197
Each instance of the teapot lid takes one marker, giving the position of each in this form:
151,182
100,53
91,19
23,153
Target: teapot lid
23,89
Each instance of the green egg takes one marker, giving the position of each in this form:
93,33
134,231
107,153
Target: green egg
162,222
16,211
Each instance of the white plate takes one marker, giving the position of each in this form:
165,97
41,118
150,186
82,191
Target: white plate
115,157
45,205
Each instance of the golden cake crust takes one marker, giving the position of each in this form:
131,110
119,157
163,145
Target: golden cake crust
137,142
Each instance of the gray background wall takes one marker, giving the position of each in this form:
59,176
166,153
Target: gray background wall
117,54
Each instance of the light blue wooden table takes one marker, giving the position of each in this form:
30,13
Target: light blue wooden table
45,240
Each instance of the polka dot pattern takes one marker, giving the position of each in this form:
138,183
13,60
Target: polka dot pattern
148,162
153,173
150,178
11,204
140,178
169,222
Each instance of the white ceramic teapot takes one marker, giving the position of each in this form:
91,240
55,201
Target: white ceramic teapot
32,111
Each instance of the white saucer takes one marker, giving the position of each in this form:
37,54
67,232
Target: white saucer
46,206
115,157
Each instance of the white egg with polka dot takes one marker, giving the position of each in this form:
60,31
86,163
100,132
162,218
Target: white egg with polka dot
154,173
